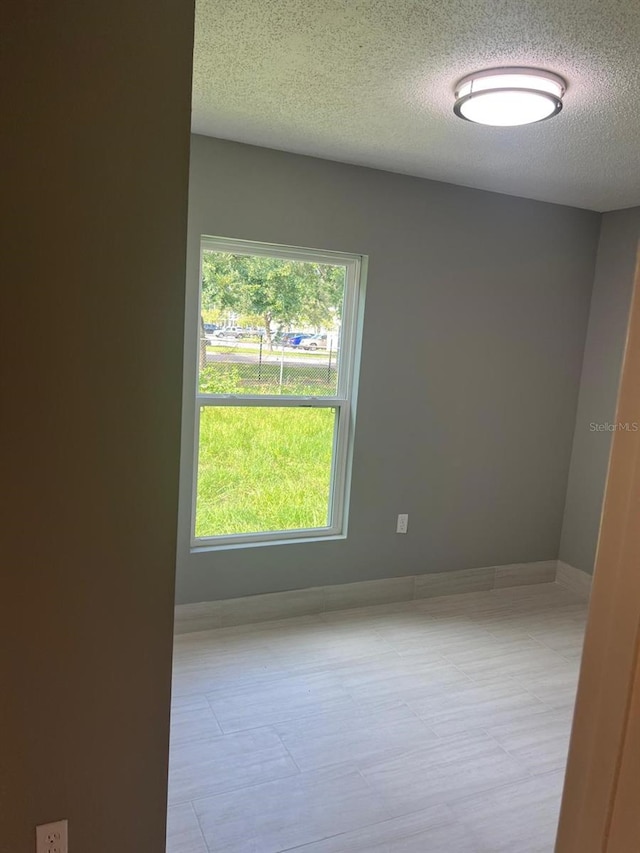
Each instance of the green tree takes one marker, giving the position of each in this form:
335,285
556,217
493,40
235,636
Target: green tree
282,292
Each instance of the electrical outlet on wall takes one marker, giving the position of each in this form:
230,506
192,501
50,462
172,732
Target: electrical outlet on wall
403,523
52,837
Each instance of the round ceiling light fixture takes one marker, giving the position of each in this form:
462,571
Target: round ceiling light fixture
506,97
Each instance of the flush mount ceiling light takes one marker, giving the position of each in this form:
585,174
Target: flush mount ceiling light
505,97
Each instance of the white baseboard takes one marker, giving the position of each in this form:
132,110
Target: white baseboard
206,615
575,580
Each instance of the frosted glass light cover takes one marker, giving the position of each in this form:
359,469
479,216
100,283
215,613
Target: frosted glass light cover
509,97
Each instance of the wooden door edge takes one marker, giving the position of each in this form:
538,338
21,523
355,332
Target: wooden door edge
609,661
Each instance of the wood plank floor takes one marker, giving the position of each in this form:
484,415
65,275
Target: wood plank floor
418,727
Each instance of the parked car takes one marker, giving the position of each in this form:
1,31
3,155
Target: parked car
283,338
297,340
315,342
210,330
230,332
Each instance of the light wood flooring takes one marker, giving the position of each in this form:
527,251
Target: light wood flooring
418,727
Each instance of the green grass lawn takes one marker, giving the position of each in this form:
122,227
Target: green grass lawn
263,469
289,352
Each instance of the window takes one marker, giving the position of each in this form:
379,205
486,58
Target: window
277,342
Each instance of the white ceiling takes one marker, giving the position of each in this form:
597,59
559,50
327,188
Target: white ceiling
371,82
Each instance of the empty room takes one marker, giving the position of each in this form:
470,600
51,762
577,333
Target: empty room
321,428
406,310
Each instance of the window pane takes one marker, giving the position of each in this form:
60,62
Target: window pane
269,325
263,469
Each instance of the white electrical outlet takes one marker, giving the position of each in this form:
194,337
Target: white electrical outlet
403,523
53,837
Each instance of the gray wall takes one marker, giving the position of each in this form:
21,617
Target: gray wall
476,314
95,145
604,350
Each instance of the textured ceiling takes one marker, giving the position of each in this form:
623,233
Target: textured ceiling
371,82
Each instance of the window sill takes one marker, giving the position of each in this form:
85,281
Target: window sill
232,546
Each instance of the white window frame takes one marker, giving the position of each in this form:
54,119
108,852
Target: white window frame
343,401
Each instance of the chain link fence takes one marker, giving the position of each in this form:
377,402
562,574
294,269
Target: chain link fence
252,365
